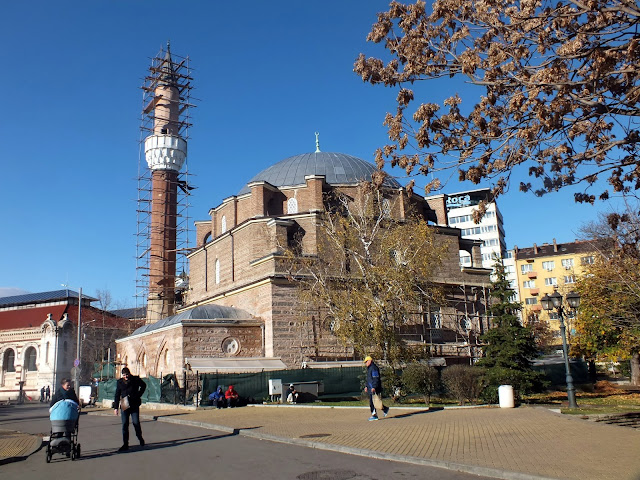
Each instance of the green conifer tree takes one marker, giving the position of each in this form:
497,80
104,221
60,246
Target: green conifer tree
509,347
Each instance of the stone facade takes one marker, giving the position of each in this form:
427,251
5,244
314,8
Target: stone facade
237,263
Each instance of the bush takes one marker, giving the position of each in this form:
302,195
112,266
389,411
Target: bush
463,382
421,379
523,382
391,382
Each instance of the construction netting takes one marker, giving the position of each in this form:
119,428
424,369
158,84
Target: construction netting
337,382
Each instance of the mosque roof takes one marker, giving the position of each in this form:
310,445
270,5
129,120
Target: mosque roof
338,168
42,297
202,312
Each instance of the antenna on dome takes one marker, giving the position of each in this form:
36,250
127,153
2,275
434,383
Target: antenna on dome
317,142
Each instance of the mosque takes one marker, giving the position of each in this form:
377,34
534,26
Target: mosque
240,312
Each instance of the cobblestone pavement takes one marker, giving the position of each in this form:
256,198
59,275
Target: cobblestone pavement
505,443
524,443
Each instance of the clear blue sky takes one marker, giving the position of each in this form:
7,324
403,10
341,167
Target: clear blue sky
267,76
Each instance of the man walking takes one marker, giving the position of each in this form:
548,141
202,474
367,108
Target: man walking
374,389
129,390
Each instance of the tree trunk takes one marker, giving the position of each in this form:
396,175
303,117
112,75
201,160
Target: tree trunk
635,368
593,376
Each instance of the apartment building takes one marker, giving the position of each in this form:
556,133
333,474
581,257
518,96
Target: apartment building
545,268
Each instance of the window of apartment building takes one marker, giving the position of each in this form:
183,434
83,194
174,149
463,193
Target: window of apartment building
489,228
567,263
551,282
492,242
527,267
569,279
529,284
553,315
470,231
531,301
549,265
587,260
487,256
509,269
509,254
465,260
490,215
460,219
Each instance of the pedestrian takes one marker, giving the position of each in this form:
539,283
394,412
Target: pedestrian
128,398
64,392
48,393
217,398
291,394
42,395
232,397
374,389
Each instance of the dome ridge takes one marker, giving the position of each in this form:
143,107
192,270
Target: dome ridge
337,168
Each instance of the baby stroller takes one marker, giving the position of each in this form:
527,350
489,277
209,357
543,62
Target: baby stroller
63,438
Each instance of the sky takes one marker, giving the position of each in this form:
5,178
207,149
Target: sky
267,76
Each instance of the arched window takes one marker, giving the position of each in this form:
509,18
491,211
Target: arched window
292,205
8,364
217,270
30,360
223,224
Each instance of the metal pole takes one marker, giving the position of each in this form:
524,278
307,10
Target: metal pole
78,342
55,359
571,392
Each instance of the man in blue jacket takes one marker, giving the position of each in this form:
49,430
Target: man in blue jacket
374,389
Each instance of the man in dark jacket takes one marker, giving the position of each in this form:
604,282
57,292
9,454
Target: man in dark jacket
129,389
374,389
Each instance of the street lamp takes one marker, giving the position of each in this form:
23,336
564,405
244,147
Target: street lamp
76,363
549,302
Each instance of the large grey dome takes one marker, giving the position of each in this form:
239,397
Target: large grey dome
338,168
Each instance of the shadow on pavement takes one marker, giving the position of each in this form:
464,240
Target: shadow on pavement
91,454
418,412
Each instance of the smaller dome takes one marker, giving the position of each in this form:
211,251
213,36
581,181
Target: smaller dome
337,168
202,312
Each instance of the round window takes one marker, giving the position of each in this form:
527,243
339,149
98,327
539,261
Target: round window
230,346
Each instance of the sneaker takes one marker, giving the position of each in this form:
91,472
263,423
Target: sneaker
123,448
142,441
373,417
385,410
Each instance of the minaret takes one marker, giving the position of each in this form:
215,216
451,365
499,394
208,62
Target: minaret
165,152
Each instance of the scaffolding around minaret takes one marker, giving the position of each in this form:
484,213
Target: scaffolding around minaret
162,237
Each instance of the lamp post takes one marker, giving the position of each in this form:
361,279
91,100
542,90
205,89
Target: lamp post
76,363
549,302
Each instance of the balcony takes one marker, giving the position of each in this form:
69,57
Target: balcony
535,308
532,274
534,291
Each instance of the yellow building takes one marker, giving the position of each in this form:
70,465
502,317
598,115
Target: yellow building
542,269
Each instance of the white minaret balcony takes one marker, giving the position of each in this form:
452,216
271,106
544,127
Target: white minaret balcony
165,152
